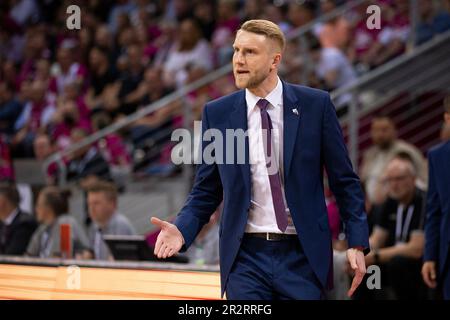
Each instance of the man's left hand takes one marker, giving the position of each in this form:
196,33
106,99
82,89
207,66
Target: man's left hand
358,265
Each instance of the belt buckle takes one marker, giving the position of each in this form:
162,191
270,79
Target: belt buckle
268,238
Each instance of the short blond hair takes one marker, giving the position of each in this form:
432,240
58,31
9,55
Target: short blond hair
266,28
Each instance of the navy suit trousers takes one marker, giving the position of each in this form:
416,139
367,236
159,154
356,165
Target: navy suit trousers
272,270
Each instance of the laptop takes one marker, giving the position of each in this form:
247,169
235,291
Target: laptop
135,248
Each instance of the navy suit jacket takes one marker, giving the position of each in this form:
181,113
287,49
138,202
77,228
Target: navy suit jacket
437,225
312,141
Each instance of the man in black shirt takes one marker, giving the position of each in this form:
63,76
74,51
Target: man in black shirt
397,240
16,226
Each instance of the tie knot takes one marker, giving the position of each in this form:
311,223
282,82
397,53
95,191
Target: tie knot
263,104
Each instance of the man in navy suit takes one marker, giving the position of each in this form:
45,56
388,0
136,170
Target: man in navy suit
275,240
437,223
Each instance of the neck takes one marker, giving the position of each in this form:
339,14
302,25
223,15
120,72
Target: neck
5,212
407,199
50,220
265,87
103,223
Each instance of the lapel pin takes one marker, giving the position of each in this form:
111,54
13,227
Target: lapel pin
295,111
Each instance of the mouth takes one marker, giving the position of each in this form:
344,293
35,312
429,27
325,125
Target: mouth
242,72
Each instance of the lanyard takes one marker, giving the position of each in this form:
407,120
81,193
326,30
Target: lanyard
401,232
46,242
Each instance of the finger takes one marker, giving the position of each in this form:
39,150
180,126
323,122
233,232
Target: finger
166,252
433,274
361,263
426,279
355,283
161,251
158,244
352,260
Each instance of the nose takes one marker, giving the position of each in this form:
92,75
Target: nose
239,58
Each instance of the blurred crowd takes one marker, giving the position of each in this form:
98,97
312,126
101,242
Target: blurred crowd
58,86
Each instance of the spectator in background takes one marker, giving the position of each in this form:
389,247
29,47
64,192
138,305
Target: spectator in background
44,147
104,39
67,70
361,39
69,114
130,80
10,108
205,249
35,48
397,241
385,146
205,14
24,11
436,267
253,9
113,149
6,166
9,74
16,226
276,14
431,22
333,70
34,118
104,83
301,13
189,47
52,211
226,27
335,33
392,39
43,74
87,164
106,220
150,90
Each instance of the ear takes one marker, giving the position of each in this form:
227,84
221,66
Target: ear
276,60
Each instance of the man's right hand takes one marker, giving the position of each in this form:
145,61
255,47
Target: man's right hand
429,273
169,241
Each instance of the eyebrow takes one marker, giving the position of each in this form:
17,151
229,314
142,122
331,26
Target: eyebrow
248,48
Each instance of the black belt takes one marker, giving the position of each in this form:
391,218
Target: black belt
271,236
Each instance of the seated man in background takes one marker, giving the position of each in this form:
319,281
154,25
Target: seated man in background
106,220
16,226
205,249
385,146
52,211
397,240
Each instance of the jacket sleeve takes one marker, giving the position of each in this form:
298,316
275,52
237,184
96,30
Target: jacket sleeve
343,181
19,241
433,215
204,198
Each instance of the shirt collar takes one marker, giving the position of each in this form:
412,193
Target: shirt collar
108,224
11,217
275,97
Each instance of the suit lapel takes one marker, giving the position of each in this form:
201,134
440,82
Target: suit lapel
238,120
291,121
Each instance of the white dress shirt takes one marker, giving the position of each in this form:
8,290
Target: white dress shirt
261,216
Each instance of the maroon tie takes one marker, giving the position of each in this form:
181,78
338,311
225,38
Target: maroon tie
274,175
